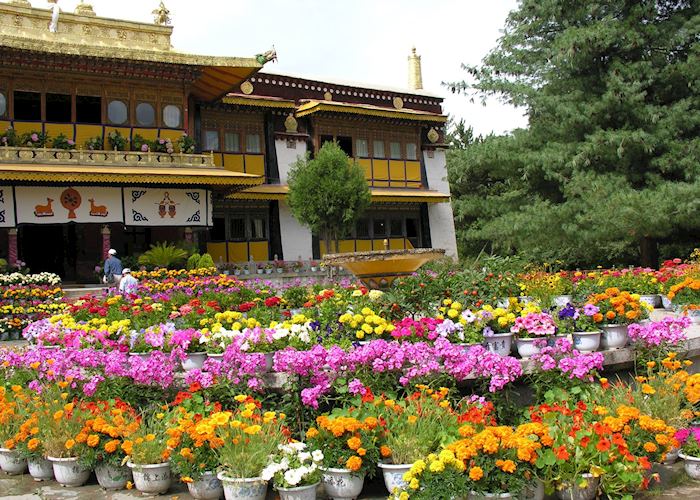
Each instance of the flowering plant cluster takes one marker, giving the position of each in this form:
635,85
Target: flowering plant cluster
534,325
570,319
686,293
618,307
293,466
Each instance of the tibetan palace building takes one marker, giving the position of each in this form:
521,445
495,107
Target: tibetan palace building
111,138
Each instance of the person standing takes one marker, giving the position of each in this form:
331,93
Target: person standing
128,283
113,268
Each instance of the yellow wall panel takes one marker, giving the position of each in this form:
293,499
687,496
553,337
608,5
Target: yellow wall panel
413,171
377,245
322,248
397,170
26,127
85,132
346,246
56,129
238,252
396,244
149,134
218,159
4,125
366,165
397,184
409,245
259,250
255,164
364,245
172,134
217,252
380,169
380,183
414,185
233,162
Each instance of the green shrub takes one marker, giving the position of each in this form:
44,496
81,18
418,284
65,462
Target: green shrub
193,261
165,255
205,262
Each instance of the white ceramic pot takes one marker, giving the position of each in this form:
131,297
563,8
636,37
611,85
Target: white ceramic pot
194,361
666,303
500,343
11,462
215,356
652,300
112,477
672,456
586,341
691,465
575,492
40,469
299,493
142,355
529,347
614,337
562,300
151,479
68,472
251,488
393,475
694,315
533,491
342,484
208,487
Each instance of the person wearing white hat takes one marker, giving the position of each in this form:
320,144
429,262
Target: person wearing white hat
128,283
113,268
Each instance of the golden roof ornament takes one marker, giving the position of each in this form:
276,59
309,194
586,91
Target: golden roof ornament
398,103
266,57
433,135
21,3
84,9
161,15
415,73
247,87
290,124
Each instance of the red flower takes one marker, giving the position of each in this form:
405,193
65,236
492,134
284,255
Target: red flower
561,453
195,386
272,301
603,445
246,306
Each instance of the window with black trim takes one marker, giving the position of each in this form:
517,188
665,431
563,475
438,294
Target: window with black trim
237,230
58,108
211,140
3,104
232,142
88,109
145,114
172,116
252,143
27,105
396,228
117,112
379,228
218,229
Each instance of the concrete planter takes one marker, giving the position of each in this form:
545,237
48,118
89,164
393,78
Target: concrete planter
40,469
193,361
575,492
208,487
653,300
112,477
300,493
691,465
529,347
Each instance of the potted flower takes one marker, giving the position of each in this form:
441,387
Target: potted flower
268,268
686,296
148,456
313,265
436,476
260,268
29,445
689,440
185,144
112,423
9,137
297,266
194,441
279,266
186,344
94,143
496,323
580,325
247,443
295,471
349,452
11,461
116,141
414,428
616,311
34,139
63,142
532,331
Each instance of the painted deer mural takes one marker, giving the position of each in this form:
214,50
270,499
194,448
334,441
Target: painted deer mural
44,210
97,210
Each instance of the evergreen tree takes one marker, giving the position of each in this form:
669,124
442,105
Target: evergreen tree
608,166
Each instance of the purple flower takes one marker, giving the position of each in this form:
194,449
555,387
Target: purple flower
590,310
669,331
144,148
35,137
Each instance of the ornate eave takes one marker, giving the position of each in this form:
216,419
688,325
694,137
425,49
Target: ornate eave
312,107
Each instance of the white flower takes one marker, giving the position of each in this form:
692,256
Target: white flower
317,455
292,477
304,456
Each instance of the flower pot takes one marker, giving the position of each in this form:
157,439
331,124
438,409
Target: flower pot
142,355
552,339
393,475
313,269
614,337
151,479
666,303
268,271
575,492
280,270
269,361
529,347
69,472
299,493
40,469
586,341
691,465
652,300
208,487
693,314
342,484
260,271
218,356
251,488
500,343
194,361
112,477
475,495
562,300
533,491
672,456
11,462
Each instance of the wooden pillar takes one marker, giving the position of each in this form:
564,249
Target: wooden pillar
106,241
12,256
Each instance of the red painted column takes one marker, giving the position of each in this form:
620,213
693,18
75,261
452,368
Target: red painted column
12,246
106,241
188,235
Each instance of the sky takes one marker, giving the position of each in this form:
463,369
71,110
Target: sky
358,40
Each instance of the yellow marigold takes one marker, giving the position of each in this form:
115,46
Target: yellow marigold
312,433
506,465
69,444
476,473
647,389
93,440
650,447
33,444
252,429
437,466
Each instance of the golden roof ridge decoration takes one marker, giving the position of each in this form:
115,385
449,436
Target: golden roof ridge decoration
310,107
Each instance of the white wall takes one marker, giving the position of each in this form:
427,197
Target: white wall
296,239
442,224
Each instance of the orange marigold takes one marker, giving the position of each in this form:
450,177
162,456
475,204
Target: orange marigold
354,463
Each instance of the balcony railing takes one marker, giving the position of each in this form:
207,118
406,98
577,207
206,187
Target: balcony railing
51,156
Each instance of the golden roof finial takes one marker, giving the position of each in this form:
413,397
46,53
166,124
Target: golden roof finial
84,9
161,15
415,73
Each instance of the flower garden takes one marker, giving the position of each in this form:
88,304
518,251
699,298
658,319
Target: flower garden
234,387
